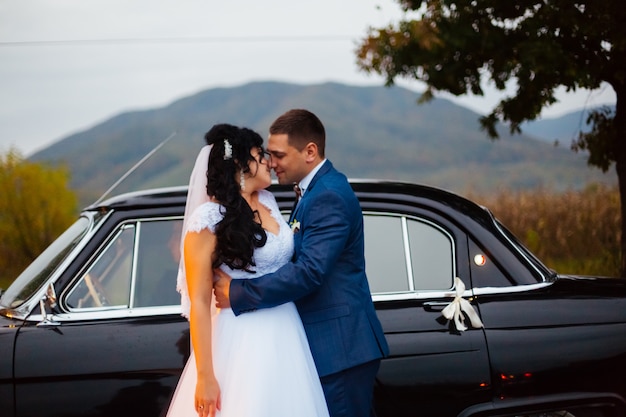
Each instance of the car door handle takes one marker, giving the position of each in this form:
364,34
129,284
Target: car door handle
435,305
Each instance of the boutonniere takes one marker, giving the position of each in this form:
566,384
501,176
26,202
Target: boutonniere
295,226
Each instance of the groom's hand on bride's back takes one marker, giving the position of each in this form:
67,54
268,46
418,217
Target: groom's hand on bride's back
221,289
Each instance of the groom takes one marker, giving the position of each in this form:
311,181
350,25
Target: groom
326,278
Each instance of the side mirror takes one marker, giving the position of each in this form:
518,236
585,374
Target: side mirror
49,299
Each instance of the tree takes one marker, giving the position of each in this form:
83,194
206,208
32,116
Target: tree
538,45
36,207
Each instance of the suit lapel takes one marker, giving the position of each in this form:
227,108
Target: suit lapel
293,213
323,170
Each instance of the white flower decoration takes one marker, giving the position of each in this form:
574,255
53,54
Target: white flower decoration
295,226
228,150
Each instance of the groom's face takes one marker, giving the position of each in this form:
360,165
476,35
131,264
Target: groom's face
288,163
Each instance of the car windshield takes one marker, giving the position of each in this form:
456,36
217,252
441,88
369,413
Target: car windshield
37,273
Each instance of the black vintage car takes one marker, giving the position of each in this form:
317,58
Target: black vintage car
93,326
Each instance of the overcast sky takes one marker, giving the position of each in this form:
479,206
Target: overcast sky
66,65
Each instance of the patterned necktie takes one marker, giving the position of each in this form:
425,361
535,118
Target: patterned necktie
298,191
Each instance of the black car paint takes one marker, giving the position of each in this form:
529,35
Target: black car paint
552,342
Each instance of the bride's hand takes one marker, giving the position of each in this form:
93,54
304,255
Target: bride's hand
208,397
221,289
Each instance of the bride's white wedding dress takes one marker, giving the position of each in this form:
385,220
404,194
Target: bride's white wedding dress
262,359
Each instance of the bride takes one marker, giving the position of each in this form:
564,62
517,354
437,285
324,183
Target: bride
258,363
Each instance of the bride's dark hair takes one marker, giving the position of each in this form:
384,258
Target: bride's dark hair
240,231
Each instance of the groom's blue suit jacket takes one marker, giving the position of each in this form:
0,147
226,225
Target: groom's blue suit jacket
326,278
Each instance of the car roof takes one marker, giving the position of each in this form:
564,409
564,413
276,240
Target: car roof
176,195
366,190
155,197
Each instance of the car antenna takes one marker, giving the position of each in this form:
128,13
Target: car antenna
134,167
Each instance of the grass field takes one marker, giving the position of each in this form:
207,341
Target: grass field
575,232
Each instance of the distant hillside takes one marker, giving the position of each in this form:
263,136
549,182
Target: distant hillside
562,130
373,132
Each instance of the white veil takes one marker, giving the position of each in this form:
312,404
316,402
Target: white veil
196,196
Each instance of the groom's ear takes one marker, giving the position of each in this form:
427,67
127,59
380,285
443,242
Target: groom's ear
311,152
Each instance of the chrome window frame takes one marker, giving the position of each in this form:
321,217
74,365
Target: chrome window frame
93,260
407,252
412,293
133,272
116,312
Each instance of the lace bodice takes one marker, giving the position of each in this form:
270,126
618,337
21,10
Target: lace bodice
277,250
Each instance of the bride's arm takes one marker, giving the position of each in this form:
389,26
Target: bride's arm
198,250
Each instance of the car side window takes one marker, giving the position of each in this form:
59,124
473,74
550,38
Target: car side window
107,281
485,272
406,254
157,263
136,268
385,259
432,256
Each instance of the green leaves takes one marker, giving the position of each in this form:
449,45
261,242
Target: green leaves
36,207
600,142
457,46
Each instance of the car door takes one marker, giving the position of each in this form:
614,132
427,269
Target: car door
433,368
119,339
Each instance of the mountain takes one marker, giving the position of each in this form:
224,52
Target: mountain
562,130
372,132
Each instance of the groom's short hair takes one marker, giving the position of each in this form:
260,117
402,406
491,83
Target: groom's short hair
301,127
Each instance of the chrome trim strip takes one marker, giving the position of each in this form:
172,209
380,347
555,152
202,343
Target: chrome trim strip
510,290
422,295
407,252
133,272
112,313
417,295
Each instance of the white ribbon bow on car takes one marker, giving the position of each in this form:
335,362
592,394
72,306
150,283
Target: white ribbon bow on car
458,306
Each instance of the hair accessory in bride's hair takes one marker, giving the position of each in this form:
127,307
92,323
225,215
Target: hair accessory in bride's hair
228,150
